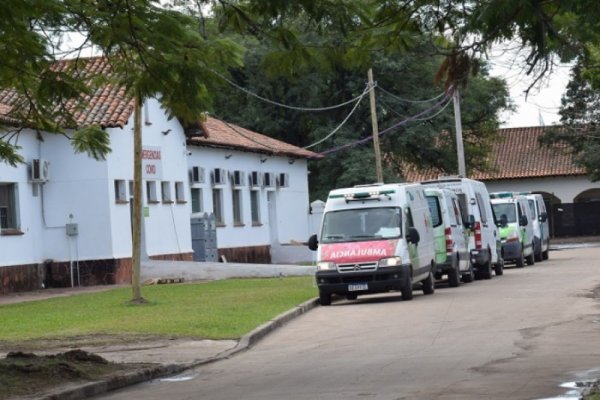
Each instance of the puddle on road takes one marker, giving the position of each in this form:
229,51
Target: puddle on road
179,378
585,379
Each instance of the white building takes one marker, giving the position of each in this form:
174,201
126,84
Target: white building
63,212
519,163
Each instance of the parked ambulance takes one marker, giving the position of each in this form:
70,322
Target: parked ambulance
515,222
541,227
451,251
374,238
483,240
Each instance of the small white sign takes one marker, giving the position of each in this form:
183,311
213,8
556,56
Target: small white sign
151,163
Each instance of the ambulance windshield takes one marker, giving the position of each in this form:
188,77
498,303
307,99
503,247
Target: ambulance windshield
507,209
360,224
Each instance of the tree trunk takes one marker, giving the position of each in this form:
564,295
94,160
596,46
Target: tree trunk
137,203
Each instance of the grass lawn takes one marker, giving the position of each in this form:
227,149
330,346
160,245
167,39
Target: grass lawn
225,309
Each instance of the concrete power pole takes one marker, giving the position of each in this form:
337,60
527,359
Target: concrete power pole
462,170
378,167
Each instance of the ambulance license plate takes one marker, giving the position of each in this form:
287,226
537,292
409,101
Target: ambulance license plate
354,287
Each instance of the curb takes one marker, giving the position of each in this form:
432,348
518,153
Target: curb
91,389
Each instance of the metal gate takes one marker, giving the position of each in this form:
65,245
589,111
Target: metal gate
204,238
575,219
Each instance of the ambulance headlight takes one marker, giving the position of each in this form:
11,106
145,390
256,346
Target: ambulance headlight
326,266
389,262
513,236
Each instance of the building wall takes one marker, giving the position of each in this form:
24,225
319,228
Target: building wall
81,190
564,188
166,226
283,210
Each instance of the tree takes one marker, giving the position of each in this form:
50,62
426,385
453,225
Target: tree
157,52
580,116
409,76
152,52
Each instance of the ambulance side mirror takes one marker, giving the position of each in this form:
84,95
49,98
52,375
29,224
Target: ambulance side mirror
544,216
523,220
313,242
412,236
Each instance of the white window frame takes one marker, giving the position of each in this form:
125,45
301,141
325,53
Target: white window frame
9,203
151,196
165,192
196,197
120,191
180,192
218,206
255,207
237,207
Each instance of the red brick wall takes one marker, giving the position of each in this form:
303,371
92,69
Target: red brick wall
254,254
23,278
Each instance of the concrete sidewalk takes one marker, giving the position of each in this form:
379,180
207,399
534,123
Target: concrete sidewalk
167,357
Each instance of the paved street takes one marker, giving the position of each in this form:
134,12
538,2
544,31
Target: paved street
518,336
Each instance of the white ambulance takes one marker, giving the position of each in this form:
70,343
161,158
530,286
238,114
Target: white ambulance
541,227
375,238
483,239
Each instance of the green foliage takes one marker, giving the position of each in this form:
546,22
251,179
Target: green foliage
224,309
153,51
92,140
9,153
580,115
409,76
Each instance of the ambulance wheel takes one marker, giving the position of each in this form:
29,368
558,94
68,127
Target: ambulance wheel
486,270
520,261
407,289
545,255
470,275
530,258
538,255
324,298
499,267
454,275
429,284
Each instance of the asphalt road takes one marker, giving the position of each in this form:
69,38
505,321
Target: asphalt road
517,336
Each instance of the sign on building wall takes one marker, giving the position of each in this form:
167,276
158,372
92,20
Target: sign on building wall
151,163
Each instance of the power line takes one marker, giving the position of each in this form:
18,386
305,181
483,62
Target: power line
390,129
408,100
342,123
266,100
389,108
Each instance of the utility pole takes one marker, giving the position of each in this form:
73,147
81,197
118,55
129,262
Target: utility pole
375,127
462,170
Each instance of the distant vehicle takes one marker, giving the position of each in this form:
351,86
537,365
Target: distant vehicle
451,251
475,206
515,222
541,227
374,238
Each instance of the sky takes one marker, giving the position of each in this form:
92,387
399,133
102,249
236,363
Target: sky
543,101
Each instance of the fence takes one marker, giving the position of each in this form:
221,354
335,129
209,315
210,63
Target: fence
575,219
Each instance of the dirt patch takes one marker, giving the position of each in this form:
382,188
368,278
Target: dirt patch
23,374
65,343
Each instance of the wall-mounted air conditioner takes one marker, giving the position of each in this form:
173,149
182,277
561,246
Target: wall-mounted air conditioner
255,179
268,180
197,175
283,180
218,176
237,178
40,170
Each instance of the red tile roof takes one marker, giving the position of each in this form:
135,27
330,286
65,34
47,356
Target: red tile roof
516,155
107,105
227,135
110,107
